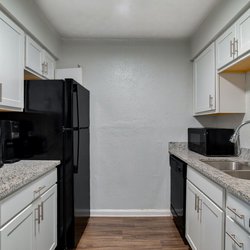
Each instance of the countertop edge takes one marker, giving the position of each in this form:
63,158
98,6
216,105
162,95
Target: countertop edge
39,169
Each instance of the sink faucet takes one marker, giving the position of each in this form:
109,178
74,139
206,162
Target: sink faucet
235,138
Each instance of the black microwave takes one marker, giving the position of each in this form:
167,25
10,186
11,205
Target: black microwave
211,141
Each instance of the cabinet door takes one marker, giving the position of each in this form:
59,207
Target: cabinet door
205,81
46,238
34,56
192,217
243,33
212,225
18,233
11,64
224,47
49,66
236,238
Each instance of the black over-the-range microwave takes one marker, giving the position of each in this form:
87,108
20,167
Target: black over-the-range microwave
211,141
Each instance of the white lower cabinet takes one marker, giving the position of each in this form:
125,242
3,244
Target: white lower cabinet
237,234
45,218
192,217
204,221
212,225
236,237
34,227
18,233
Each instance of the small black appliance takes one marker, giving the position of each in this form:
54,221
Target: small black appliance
10,134
211,141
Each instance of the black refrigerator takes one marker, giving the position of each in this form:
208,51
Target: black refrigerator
55,126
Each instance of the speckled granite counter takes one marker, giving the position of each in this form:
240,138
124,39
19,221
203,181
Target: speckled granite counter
16,175
238,187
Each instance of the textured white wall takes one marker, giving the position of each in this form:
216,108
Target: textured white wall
221,15
141,98
27,13
245,131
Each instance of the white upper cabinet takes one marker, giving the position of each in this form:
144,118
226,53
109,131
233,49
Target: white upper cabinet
224,47
11,64
38,60
205,81
243,33
34,56
234,42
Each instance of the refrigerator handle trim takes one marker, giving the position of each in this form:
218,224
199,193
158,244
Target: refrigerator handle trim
77,129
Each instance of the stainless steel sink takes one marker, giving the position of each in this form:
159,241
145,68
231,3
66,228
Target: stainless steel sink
228,165
236,169
241,174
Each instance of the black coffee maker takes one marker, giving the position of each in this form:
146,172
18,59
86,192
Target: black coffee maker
10,135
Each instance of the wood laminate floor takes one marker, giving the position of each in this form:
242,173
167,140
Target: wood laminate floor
153,233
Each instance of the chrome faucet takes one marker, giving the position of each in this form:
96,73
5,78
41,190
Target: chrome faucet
235,138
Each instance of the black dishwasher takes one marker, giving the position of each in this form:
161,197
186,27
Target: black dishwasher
178,193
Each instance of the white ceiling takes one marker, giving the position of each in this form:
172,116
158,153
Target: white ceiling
163,19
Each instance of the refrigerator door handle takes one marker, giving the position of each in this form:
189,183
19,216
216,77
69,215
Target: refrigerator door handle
77,129
70,129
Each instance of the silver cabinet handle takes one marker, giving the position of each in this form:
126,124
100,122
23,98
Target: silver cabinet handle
231,48
195,202
233,210
210,101
200,208
42,217
43,68
233,238
47,67
236,45
39,215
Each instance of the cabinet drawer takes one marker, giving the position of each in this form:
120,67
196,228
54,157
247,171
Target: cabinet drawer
239,211
14,203
236,238
208,187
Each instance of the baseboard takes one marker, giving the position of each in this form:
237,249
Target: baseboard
81,212
129,212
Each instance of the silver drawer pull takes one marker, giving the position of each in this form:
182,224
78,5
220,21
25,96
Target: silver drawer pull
233,238
39,189
233,210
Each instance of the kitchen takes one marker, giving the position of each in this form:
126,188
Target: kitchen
140,80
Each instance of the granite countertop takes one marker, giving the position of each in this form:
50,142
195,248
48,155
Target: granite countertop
16,175
239,187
